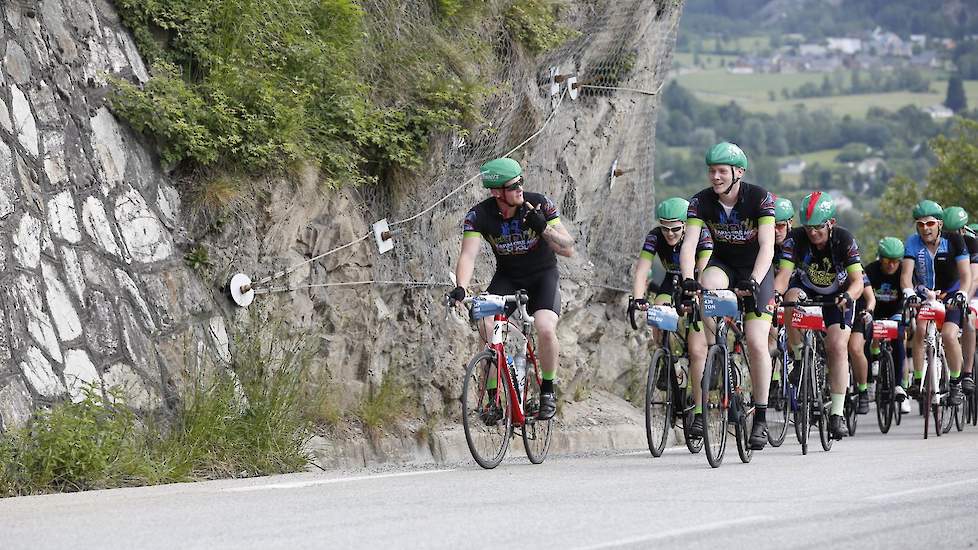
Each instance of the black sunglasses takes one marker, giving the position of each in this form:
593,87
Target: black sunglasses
514,185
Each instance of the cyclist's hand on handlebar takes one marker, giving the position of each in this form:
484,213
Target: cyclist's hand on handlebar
748,288
959,298
640,304
843,301
456,295
690,286
867,316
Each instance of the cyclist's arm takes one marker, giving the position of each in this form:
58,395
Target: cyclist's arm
702,258
964,273
471,245
687,253
641,279
855,288
974,280
765,239
781,280
559,239
906,274
870,295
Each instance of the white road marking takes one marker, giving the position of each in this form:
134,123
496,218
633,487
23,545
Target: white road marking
678,532
313,482
887,496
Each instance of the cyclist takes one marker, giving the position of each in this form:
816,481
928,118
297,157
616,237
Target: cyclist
936,265
862,327
665,241
740,219
784,213
956,221
884,278
827,261
525,234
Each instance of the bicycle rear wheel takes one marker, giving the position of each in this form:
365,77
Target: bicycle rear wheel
694,444
658,404
716,402
884,392
536,433
947,409
778,403
488,424
745,417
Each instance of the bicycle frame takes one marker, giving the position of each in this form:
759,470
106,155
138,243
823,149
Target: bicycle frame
499,327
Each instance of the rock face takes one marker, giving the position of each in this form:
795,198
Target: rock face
96,291
83,241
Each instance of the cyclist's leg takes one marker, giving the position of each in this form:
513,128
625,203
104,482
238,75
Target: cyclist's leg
918,359
967,356
544,305
793,334
950,333
860,365
838,325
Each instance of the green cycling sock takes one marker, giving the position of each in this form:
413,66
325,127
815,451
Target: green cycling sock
862,387
955,374
698,409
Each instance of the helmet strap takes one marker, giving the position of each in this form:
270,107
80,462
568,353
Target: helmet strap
733,181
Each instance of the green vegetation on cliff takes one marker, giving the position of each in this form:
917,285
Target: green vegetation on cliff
356,87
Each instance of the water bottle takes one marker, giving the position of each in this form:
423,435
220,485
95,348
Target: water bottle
876,369
519,367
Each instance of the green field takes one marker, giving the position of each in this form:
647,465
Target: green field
752,92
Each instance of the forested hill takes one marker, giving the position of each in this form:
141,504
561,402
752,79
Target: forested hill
820,18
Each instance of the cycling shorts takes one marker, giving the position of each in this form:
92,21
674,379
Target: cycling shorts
765,294
543,288
831,314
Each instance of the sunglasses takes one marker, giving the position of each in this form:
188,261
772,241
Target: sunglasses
515,185
676,229
817,227
928,223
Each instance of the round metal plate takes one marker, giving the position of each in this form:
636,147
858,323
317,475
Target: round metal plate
243,299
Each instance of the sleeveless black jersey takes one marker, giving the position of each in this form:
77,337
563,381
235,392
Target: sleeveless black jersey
734,233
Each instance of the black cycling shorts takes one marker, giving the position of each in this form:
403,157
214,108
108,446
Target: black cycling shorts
765,294
543,289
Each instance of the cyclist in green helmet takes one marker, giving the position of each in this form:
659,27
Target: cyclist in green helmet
525,234
784,213
827,261
936,265
884,280
665,242
956,221
740,219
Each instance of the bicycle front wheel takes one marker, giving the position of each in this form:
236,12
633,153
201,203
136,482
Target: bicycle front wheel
852,399
823,411
536,433
745,416
488,423
884,392
804,406
658,405
778,402
716,402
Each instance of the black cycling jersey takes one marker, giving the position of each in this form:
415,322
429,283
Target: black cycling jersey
656,245
887,289
971,242
734,232
938,271
519,250
825,270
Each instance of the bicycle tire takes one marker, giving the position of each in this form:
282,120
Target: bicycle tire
716,400
488,444
958,414
823,412
927,396
536,433
947,409
884,392
778,403
740,383
658,402
803,410
693,444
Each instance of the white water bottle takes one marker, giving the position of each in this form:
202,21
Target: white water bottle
519,366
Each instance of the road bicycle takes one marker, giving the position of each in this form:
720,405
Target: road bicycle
666,399
497,398
934,385
726,384
806,316
885,332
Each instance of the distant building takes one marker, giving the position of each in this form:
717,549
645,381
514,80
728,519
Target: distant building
812,49
938,112
927,59
793,167
869,166
919,39
847,46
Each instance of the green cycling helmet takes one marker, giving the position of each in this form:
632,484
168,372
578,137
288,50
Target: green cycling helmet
672,209
955,218
890,248
783,210
816,208
926,208
726,153
497,172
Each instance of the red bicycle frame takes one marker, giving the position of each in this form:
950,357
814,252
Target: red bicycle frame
499,322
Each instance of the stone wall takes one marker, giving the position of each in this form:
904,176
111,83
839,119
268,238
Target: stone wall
94,289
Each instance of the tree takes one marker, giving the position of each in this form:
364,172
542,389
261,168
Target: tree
893,219
954,179
956,100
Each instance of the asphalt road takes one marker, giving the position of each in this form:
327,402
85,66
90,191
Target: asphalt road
870,491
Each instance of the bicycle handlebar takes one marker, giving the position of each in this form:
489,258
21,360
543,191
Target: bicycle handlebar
521,298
